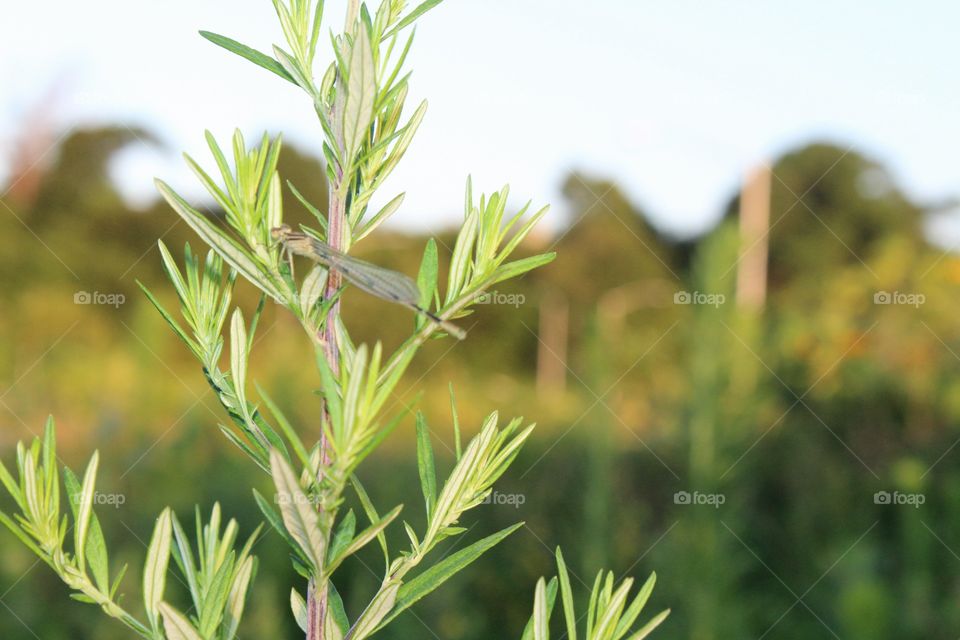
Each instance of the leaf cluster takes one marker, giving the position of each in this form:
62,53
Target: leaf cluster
608,617
218,582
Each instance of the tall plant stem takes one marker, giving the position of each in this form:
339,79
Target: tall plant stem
336,238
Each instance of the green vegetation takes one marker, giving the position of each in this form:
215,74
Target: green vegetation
881,378
798,414
360,106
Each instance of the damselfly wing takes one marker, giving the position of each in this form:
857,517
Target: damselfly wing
385,284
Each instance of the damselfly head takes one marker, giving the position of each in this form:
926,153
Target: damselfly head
281,232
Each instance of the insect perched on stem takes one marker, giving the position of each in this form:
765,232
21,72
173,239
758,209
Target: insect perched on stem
385,284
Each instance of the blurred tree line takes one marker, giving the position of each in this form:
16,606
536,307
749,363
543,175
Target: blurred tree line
796,414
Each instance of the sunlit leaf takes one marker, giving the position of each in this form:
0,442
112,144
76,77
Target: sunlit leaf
176,626
425,463
254,56
84,511
411,17
648,628
299,608
566,595
155,567
299,516
422,585
361,94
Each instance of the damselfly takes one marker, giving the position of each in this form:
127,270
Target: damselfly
385,284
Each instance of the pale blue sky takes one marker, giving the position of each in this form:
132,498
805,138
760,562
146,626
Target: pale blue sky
673,99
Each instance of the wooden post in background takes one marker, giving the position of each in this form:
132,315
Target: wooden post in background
552,346
754,240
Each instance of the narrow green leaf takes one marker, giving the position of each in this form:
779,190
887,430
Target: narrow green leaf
363,538
50,475
429,274
246,448
225,172
288,430
299,607
411,17
176,626
118,580
155,567
607,623
592,606
84,510
378,609
331,630
412,535
331,396
215,599
462,251
311,292
96,550
425,463
388,210
519,267
648,628
550,597
426,582
212,187
361,95
372,515
23,537
274,213
273,439
633,611
343,535
11,485
522,233
322,219
237,599
29,479
456,422
254,56
338,614
194,348
238,359
299,517
235,255
566,596
404,138
183,556
79,597
541,623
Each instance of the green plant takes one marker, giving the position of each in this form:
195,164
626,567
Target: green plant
360,103
608,616
218,583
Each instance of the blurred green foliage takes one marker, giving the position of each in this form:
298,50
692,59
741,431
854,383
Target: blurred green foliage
797,415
